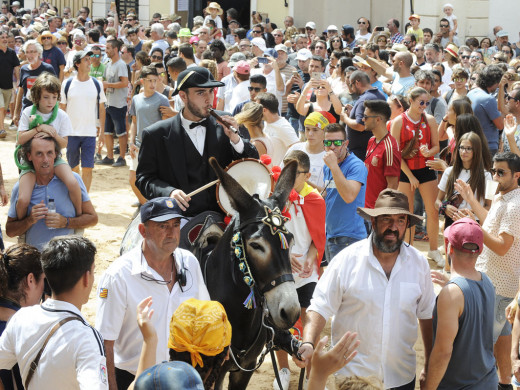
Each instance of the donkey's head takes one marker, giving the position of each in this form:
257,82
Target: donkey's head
266,242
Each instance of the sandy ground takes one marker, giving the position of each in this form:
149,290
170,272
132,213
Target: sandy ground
112,198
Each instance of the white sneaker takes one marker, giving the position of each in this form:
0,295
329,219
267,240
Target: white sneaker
442,249
436,256
285,379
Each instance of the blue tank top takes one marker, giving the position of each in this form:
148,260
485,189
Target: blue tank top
472,364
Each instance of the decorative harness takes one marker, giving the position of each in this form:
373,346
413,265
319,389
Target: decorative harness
276,222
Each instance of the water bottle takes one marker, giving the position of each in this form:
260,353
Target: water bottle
51,206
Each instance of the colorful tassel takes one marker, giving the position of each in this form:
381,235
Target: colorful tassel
250,301
283,240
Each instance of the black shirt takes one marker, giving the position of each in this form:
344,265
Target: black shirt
8,61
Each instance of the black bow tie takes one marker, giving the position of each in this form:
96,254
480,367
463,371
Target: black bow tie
202,123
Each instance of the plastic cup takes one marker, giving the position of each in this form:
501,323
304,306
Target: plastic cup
491,189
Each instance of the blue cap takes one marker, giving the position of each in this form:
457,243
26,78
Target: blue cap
271,53
160,210
170,375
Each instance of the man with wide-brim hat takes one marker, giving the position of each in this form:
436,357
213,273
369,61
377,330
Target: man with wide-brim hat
378,287
51,53
173,158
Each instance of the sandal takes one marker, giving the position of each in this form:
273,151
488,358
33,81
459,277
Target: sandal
421,236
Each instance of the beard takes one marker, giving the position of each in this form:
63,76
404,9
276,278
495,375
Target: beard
386,246
197,111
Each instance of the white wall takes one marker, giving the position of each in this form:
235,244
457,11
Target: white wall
505,13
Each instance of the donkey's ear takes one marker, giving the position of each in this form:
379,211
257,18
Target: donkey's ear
285,183
239,198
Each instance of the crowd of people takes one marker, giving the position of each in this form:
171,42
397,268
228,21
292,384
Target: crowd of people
400,134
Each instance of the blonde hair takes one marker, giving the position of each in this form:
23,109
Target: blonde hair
212,66
251,114
360,383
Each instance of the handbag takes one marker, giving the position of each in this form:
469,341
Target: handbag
454,200
410,151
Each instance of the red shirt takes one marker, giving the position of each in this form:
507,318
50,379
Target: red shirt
383,159
407,133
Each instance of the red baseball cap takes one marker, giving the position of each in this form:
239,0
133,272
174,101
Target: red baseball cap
463,232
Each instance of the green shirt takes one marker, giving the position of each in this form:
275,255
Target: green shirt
97,72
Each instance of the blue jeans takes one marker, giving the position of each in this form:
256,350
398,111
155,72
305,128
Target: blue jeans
336,245
295,123
501,327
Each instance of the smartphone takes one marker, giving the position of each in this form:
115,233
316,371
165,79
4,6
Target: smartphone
267,20
318,76
356,50
262,60
379,29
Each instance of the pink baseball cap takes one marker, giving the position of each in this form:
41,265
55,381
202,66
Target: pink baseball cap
463,232
242,67
193,40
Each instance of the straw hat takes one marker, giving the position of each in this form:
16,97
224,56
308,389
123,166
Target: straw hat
452,50
47,34
216,6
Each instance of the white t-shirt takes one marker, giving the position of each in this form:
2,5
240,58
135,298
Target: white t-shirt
451,19
271,84
366,36
464,176
61,124
283,136
82,106
317,163
217,21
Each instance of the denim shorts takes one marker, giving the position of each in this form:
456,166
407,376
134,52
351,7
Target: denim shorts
115,120
501,326
336,245
81,148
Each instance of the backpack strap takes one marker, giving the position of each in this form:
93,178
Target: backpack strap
98,88
66,90
34,364
434,104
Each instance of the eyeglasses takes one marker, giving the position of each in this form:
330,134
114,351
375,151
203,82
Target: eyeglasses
361,22
257,31
95,55
499,172
337,142
256,89
444,25
424,103
465,57
157,57
466,149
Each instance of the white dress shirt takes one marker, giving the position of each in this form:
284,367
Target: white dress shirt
198,136
73,358
121,288
356,293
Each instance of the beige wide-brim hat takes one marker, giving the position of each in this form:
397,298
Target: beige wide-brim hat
47,34
216,6
389,202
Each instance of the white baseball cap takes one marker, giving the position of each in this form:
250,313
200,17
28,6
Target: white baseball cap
311,25
304,54
259,42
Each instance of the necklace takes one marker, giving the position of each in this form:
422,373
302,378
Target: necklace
375,147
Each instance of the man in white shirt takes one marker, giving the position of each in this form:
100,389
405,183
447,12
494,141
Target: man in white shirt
157,34
377,287
157,268
276,127
83,97
74,357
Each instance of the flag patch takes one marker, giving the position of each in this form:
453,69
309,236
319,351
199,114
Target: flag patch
103,292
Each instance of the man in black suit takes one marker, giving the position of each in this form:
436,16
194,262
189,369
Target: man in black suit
173,158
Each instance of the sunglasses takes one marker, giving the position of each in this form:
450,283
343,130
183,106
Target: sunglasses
361,22
475,57
473,79
509,97
499,172
465,57
459,80
257,32
466,149
407,42
444,25
256,89
95,56
337,142
157,57
424,103
44,37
